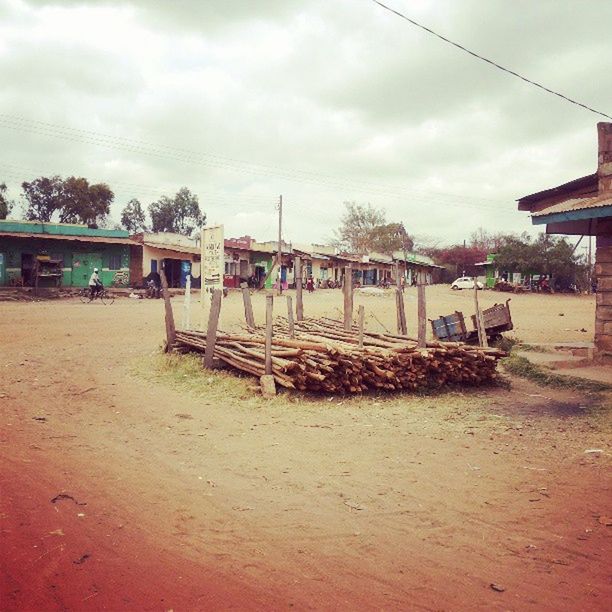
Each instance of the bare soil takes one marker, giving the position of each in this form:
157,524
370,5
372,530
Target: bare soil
127,487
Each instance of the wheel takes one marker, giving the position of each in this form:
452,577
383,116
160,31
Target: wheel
85,295
107,298
454,288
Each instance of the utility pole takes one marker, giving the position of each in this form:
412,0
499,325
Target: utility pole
279,288
590,268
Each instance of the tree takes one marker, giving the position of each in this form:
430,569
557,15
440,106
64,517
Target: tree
364,229
6,205
133,217
85,203
180,214
486,241
72,200
44,197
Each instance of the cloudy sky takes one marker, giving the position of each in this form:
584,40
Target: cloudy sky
323,101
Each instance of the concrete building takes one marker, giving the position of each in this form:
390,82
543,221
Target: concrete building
36,254
583,207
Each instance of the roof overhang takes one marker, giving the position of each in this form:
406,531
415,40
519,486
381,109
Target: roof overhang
175,248
90,239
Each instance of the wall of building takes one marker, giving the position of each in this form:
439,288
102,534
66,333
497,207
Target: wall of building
78,259
152,253
603,311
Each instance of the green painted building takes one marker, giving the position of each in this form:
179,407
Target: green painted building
58,254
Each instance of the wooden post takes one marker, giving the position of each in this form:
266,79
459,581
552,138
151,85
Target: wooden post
280,242
348,297
268,346
401,312
361,318
398,316
299,304
290,316
482,332
170,329
211,330
248,306
187,304
422,314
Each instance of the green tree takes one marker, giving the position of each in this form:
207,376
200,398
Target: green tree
133,217
6,205
364,229
180,214
44,197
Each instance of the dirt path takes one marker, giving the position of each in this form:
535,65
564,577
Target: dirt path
215,499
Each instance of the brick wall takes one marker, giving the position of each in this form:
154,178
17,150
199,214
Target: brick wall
603,312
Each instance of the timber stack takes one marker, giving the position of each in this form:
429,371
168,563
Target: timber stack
324,357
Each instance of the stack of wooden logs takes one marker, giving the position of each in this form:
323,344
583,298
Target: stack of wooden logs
321,356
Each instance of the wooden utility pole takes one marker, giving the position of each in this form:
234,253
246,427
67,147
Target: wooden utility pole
211,330
299,303
480,327
279,288
422,312
170,329
348,297
268,345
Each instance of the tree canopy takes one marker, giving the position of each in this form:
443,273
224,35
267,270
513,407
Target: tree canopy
6,205
180,214
72,200
364,229
133,217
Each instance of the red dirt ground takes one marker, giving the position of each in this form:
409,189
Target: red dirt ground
215,499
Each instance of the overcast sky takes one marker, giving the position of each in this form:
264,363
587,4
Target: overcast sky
323,101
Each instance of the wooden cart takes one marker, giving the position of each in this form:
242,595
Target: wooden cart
452,328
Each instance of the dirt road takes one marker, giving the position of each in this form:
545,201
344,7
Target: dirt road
119,493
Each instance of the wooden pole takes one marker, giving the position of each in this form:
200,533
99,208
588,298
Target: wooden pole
299,303
187,304
361,318
248,307
268,346
211,330
170,329
280,243
398,315
482,332
290,316
348,297
422,314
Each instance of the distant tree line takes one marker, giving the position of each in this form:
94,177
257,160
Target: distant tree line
75,200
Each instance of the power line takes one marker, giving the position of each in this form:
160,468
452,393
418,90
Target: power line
488,61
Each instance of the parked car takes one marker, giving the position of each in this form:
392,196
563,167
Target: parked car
466,282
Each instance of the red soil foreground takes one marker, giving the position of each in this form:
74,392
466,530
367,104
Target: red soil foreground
170,500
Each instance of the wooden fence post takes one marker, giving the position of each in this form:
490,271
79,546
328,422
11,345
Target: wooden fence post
187,304
211,331
248,306
361,318
480,327
170,328
268,346
299,304
348,297
422,315
290,316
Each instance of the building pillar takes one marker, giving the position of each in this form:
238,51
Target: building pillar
603,310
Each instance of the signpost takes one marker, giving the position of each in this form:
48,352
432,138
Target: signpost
212,266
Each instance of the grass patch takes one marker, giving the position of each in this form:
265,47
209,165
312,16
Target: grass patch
520,366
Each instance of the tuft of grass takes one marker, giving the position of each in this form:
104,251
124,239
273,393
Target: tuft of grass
520,366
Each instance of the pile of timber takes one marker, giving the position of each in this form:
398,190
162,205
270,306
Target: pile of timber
321,356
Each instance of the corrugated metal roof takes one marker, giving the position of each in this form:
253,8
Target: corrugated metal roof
573,204
588,182
98,239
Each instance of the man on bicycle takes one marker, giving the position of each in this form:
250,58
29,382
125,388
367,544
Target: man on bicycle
95,285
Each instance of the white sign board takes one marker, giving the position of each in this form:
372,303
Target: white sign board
212,267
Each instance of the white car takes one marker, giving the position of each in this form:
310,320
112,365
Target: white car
466,282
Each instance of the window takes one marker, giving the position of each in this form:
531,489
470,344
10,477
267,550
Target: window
114,262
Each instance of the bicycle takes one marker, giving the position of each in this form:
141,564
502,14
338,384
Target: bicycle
102,295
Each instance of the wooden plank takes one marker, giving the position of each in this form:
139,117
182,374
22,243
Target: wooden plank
211,330
361,320
299,303
290,316
422,316
248,307
170,328
348,297
268,345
